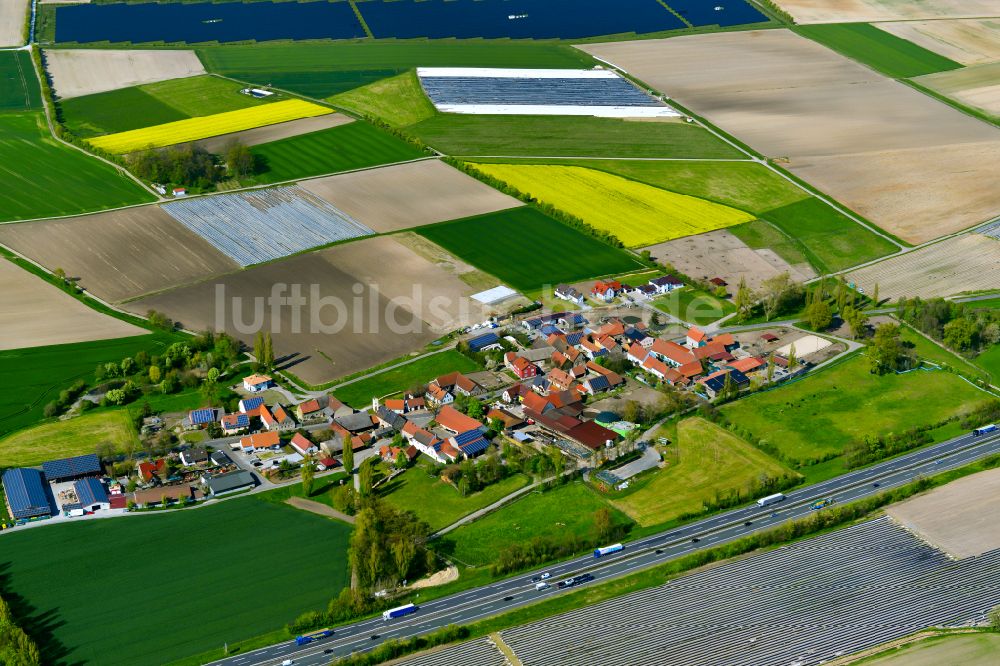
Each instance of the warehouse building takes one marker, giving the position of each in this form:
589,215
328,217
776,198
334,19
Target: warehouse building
91,494
68,469
26,494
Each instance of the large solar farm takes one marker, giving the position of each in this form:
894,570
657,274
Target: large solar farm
641,200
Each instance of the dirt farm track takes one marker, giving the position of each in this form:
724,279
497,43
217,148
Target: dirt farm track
909,163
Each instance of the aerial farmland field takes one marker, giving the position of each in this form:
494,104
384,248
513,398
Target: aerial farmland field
99,251
968,41
71,437
636,213
856,11
356,145
571,255
976,87
53,568
18,86
908,163
79,72
12,15
399,197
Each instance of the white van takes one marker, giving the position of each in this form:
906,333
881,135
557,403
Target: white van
541,586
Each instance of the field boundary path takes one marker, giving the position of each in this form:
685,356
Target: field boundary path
319,509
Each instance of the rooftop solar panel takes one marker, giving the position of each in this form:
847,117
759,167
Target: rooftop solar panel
201,416
90,491
67,468
26,494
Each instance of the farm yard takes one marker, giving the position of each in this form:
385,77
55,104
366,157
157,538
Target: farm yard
262,225
571,255
820,415
103,254
72,437
54,179
330,340
38,314
704,463
910,164
399,197
856,11
202,127
41,372
636,213
53,569
79,72
966,263
968,41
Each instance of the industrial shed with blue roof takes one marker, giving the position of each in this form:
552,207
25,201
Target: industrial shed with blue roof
67,469
91,495
26,493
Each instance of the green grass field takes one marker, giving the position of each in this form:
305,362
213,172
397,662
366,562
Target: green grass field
72,437
823,412
829,240
990,362
45,178
880,50
979,649
353,146
359,394
181,571
154,104
536,514
322,70
398,100
527,249
19,89
567,136
439,503
705,461
694,306
39,373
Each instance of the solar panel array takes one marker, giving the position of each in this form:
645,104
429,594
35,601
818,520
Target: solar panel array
472,443
66,468
201,416
90,491
570,91
254,402
805,603
25,491
262,225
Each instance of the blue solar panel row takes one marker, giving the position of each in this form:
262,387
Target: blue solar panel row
254,227
201,416
485,340
90,491
472,443
446,90
26,493
251,403
717,12
67,468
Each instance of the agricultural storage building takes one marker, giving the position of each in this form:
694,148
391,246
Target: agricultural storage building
230,483
480,343
67,469
26,494
91,494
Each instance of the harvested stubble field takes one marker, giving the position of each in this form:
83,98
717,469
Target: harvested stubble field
914,166
977,87
36,313
638,214
120,254
78,72
46,178
968,41
966,263
203,127
406,302
12,14
857,11
409,195
959,518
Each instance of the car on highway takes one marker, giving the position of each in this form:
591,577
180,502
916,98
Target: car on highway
287,662
375,637
875,485
659,551
747,523
695,539
508,598
328,651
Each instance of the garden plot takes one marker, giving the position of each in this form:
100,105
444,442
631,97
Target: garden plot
12,15
262,225
35,314
968,41
966,263
120,254
916,167
365,303
409,195
721,254
977,87
556,92
78,72
856,11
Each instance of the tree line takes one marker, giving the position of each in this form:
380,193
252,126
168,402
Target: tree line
961,326
16,647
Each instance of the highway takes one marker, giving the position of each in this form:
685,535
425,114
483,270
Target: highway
504,595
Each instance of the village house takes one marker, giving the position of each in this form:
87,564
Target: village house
303,446
606,291
259,442
520,366
257,383
233,424
193,457
568,293
150,469
665,284
390,454
199,419
251,406
276,419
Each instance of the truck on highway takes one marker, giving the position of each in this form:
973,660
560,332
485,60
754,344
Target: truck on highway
305,639
819,504
399,611
986,429
607,550
770,499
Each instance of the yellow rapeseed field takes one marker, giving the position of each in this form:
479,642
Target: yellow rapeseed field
638,214
203,127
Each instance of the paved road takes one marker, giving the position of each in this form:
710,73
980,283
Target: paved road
475,604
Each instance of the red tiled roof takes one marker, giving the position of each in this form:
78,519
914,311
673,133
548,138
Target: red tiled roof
262,440
673,351
746,365
592,435
454,420
309,406
725,339
692,369
301,444
696,334
280,414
